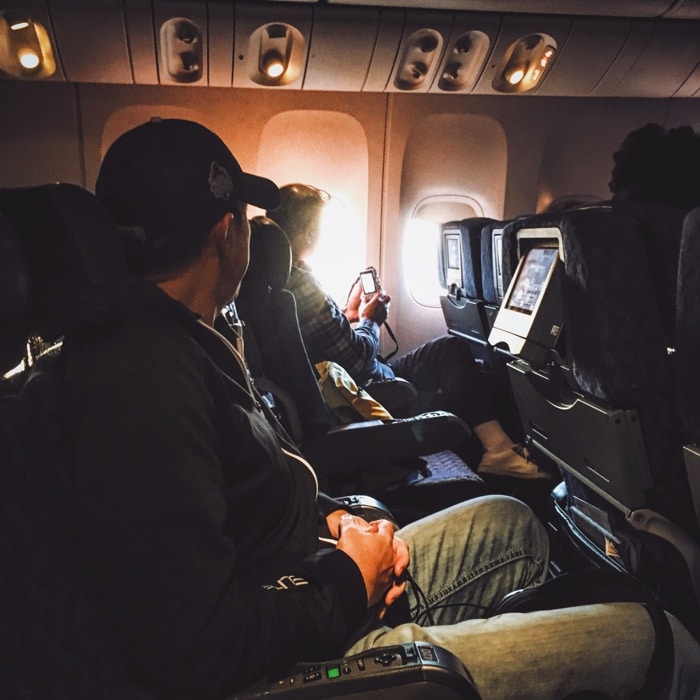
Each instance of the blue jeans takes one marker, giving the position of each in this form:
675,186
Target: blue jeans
466,558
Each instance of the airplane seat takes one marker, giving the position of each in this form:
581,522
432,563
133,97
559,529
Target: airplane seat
65,269
407,463
61,644
660,228
601,404
495,268
687,350
462,299
14,299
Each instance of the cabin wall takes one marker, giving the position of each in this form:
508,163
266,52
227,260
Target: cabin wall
509,155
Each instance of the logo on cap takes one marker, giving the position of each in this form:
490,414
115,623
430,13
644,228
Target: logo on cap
220,182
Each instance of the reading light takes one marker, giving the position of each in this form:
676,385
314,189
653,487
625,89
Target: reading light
28,59
272,64
25,47
526,62
515,75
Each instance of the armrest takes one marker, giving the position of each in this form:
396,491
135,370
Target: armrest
396,395
415,669
355,445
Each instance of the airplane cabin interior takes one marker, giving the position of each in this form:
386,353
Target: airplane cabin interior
467,148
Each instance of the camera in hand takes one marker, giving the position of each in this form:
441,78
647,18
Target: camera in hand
368,280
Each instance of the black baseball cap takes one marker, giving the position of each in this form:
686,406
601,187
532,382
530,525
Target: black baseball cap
174,179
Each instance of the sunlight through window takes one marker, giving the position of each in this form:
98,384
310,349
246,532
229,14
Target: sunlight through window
340,253
421,243
420,261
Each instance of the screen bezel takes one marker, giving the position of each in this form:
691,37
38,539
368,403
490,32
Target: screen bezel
515,322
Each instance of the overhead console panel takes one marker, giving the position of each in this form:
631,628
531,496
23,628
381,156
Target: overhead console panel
335,46
271,45
524,55
420,52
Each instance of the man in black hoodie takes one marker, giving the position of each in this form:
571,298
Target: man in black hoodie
198,521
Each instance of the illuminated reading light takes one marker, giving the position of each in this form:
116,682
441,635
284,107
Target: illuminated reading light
28,59
273,65
515,75
25,47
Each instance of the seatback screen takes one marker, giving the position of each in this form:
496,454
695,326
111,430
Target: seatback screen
531,280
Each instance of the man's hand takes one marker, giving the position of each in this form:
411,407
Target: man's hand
375,307
398,586
379,556
352,305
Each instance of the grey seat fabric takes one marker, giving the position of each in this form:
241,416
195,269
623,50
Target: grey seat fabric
463,303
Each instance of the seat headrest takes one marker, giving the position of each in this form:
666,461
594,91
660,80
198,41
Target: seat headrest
75,266
14,298
270,258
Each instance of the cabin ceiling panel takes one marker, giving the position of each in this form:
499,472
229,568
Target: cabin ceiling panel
619,8
88,55
652,75
341,49
582,64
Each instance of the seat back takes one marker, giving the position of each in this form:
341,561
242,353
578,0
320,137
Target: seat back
14,298
274,347
385,459
687,350
461,279
604,406
72,273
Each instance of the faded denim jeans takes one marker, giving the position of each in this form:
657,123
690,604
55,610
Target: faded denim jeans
466,558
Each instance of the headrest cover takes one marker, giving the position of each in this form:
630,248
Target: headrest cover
14,298
74,256
270,258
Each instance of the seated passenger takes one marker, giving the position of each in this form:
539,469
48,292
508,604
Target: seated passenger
443,370
197,523
654,164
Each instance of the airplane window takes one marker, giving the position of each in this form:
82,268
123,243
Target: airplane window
420,252
306,146
339,256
